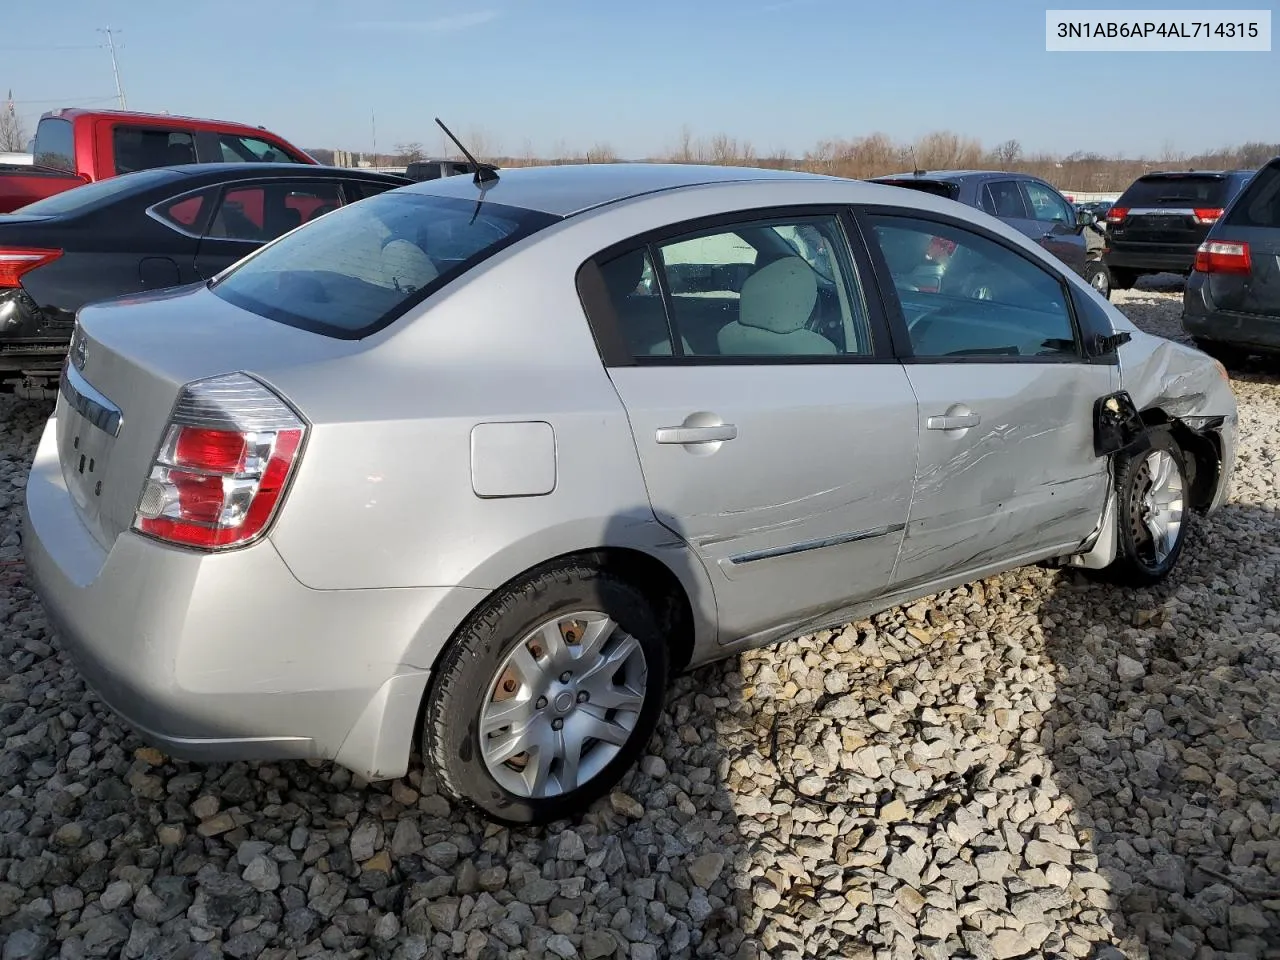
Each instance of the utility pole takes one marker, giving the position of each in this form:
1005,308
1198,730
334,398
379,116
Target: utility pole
373,123
115,67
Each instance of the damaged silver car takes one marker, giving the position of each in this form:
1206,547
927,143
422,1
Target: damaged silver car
474,465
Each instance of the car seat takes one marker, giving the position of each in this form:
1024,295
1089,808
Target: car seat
641,316
773,310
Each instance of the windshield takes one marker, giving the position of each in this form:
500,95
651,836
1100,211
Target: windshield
93,195
1184,190
352,272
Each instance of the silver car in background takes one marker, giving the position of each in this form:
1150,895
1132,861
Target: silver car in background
477,465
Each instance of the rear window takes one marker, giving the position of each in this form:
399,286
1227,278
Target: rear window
939,188
356,270
55,144
96,194
1183,190
1259,205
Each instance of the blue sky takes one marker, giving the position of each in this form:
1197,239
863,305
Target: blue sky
778,73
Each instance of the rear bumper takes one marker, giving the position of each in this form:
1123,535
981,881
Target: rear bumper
1242,329
1201,318
227,656
1150,262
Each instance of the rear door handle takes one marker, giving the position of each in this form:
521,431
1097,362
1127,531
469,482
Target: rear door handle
954,422
712,434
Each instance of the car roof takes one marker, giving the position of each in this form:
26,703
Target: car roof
267,169
565,189
957,175
1196,173
71,113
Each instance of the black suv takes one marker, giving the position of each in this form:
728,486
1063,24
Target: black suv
1026,203
1159,222
1231,305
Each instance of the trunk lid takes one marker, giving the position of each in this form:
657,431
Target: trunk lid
128,360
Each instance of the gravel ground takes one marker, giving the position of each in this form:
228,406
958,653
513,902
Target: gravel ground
1030,766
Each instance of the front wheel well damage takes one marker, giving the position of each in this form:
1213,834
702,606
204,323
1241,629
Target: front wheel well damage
1203,454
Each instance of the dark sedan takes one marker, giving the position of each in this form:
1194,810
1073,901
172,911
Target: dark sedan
163,227
1231,305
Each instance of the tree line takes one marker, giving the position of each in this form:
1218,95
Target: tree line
873,155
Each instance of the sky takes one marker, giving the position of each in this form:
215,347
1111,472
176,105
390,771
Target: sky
542,74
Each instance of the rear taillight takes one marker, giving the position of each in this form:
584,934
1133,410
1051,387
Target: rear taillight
1223,256
15,261
229,451
1116,214
1206,214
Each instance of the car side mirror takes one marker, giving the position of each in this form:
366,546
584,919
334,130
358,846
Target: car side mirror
1086,218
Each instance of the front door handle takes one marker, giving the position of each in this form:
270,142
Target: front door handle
710,434
954,422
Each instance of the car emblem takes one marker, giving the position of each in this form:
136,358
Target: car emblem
79,352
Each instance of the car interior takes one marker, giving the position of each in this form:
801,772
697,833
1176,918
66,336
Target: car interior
976,300
779,294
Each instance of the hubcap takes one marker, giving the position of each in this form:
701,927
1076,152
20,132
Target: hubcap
562,704
1157,506
1100,282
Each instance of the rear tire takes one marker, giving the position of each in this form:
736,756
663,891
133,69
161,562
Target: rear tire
537,760
1122,279
1099,277
1151,490
1228,354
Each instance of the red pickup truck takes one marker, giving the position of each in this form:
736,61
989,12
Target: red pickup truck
75,146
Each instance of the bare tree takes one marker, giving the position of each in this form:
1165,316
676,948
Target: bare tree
602,153
13,135
1008,153
409,152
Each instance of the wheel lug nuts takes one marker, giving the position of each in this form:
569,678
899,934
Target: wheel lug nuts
557,724
582,696
566,677
542,702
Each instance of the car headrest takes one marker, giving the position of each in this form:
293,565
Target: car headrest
779,297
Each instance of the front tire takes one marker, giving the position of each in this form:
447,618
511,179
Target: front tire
1099,277
1151,489
546,696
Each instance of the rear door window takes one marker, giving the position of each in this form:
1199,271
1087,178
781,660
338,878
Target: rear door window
358,269
55,144
1002,198
143,148
1259,204
237,149
264,211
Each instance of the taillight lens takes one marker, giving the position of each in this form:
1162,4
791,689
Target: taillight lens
1116,214
1207,214
229,452
15,261
1223,256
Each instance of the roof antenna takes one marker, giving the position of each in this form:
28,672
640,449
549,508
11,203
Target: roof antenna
915,167
484,172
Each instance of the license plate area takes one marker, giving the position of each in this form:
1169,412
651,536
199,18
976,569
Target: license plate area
87,426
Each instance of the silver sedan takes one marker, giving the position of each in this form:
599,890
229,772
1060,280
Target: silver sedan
476,465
